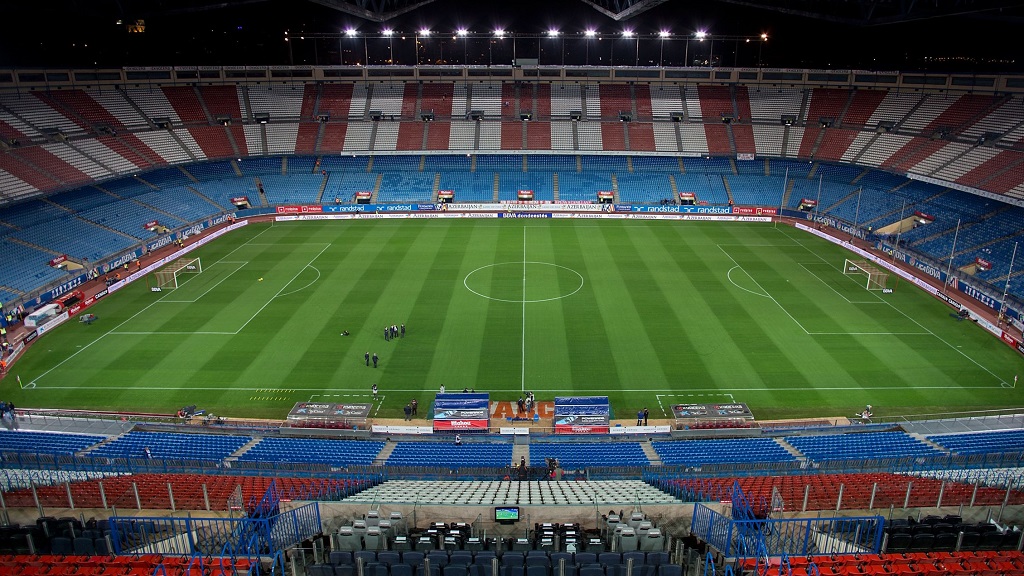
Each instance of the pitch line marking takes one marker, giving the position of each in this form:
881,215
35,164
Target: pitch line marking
829,286
208,290
769,296
522,379
307,285
729,276
267,303
465,282
1002,383
153,303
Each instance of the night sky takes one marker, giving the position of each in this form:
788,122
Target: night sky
84,33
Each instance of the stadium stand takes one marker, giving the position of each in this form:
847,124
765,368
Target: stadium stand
855,447
171,446
437,454
333,452
698,452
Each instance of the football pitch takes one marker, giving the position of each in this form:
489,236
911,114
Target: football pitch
648,313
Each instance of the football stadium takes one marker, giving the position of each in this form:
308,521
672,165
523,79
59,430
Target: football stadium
429,288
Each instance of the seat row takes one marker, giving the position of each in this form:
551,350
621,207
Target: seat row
488,569
145,565
506,558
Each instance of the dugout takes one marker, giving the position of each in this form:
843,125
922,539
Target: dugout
39,316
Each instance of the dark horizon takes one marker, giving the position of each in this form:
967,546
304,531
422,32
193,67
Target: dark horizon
254,34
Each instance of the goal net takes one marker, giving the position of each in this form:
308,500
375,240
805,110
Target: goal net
167,278
875,277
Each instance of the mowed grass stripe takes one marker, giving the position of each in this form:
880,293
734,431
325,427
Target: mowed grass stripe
548,329
633,349
589,347
501,341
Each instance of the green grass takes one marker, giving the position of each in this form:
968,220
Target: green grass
648,313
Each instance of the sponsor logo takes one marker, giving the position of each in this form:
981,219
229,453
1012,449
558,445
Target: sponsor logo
67,287
754,211
886,290
527,215
32,336
1020,347
100,294
156,289
59,260
151,224
1008,339
160,243
399,208
221,219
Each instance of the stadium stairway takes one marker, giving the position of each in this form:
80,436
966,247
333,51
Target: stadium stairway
520,451
647,447
243,449
385,452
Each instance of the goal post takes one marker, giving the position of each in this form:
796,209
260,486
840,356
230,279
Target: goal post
167,278
875,277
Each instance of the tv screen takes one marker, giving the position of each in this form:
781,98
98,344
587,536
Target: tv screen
506,514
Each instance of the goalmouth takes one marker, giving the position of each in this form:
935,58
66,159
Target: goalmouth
875,277
167,278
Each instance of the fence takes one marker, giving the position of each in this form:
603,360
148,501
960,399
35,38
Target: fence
253,536
745,538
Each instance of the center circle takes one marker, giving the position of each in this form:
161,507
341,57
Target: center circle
523,282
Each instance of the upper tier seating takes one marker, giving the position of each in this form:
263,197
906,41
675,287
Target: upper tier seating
981,442
861,446
321,451
45,442
698,452
447,454
582,455
172,446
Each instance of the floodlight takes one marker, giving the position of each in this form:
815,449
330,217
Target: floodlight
553,32
461,32
590,33
627,33
350,32
387,32
664,34
498,32
764,35
425,32
701,34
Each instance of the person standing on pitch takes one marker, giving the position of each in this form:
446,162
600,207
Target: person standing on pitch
367,358
403,330
646,414
387,332
640,418
374,390
374,359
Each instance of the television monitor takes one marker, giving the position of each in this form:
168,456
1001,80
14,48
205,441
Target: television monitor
506,514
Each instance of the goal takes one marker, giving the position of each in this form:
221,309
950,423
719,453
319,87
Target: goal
167,278
875,277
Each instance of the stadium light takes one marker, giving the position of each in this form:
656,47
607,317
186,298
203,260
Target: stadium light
499,33
627,33
387,32
461,32
350,32
590,32
425,32
764,36
701,35
553,33
664,34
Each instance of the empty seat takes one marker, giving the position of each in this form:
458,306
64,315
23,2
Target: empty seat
340,557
